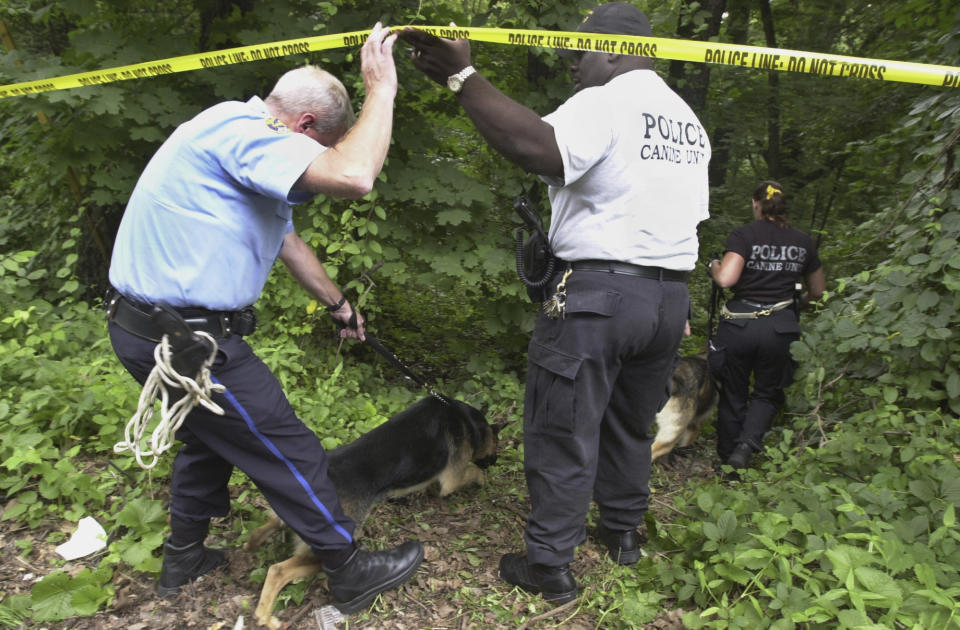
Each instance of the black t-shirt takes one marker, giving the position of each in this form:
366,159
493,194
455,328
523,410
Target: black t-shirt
776,258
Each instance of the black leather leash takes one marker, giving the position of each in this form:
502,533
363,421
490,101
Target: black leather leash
374,343
716,300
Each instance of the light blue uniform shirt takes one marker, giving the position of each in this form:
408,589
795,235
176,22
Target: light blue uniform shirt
207,218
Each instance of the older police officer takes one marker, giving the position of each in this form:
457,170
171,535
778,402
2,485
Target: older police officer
208,217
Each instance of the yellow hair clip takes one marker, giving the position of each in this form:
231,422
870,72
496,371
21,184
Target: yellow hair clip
771,191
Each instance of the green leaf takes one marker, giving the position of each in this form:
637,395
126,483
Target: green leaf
880,583
923,489
453,217
711,531
950,490
643,607
925,575
86,600
142,514
139,555
927,300
51,597
890,394
14,511
937,596
734,573
727,524
953,385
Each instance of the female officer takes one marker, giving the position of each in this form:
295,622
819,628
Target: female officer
763,263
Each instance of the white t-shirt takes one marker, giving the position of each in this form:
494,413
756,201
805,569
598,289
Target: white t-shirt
635,174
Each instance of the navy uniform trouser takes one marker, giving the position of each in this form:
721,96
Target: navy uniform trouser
595,381
260,434
759,348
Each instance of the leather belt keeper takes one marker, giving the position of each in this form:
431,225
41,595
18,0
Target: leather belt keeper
137,319
773,308
628,269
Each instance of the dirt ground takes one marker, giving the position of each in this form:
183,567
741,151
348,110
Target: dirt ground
456,586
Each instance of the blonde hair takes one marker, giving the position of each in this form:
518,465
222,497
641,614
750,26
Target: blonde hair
312,89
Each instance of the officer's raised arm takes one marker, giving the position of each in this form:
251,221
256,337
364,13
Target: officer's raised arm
515,131
350,166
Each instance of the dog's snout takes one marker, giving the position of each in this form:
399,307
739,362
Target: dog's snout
486,462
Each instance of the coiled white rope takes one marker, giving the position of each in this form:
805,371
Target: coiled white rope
171,416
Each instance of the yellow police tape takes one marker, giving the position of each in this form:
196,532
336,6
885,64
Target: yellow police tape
656,47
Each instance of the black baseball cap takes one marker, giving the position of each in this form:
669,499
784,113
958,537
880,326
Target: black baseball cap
615,18
618,18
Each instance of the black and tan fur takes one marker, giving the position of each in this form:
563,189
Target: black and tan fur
435,440
693,398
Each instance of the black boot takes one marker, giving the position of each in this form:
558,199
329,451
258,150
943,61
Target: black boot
623,545
182,565
740,457
366,574
555,584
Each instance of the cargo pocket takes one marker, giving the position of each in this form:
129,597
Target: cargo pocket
553,399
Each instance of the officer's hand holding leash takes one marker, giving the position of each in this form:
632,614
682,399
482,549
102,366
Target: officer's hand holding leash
349,322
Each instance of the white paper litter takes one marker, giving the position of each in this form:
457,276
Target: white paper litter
89,538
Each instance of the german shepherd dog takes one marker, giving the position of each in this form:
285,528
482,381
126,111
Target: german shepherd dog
693,397
438,439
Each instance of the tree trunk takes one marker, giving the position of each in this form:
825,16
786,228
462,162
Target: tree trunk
698,20
772,152
738,22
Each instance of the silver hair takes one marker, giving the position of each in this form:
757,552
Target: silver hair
312,89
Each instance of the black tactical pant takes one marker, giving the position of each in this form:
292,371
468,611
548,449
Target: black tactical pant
596,379
759,348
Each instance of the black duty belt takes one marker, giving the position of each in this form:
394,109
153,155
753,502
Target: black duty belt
627,269
137,318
